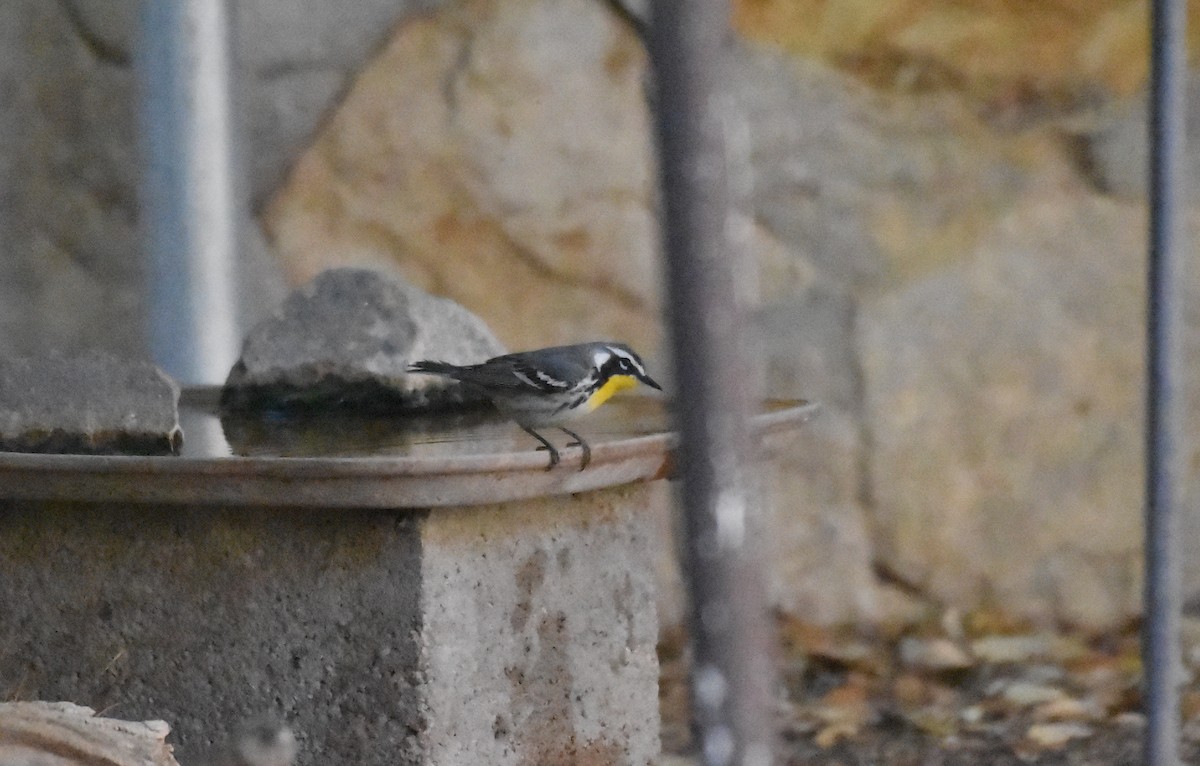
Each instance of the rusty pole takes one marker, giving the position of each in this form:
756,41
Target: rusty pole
730,627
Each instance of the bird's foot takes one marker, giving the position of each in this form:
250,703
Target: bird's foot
554,454
546,445
579,442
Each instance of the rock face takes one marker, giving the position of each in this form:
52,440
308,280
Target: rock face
296,57
1002,398
1117,149
499,151
346,340
93,404
67,164
69,152
1006,55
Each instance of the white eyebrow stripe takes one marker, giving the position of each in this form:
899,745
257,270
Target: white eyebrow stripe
629,358
621,353
600,358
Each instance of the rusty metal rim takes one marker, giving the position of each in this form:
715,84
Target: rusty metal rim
402,481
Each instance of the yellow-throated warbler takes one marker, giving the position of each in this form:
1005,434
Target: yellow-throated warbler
551,385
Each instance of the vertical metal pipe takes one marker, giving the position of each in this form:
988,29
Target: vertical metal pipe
189,204
732,673
1160,640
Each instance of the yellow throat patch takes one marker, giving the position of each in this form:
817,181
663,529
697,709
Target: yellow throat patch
611,386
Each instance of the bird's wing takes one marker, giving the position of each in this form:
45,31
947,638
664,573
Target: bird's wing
556,370
548,371
499,374
530,372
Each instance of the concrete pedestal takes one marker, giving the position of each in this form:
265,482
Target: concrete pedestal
517,633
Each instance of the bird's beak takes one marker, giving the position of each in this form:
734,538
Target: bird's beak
649,382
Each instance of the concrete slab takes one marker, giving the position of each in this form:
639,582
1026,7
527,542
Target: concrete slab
539,632
520,633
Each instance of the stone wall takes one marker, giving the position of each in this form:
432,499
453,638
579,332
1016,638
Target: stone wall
70,276
945,212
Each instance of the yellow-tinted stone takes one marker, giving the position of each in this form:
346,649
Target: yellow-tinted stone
1005,52
499,154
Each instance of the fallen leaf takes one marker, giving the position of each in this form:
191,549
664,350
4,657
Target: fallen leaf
840,647
934,721
985,621
1011,649
937,654
910,690
1025,694
1189,704
834,733
1130,720
843,710
848,700
1052,736
1067,709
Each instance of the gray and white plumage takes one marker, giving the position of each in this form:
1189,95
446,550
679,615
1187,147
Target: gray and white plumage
550,386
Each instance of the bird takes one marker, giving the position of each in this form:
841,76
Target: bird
550,386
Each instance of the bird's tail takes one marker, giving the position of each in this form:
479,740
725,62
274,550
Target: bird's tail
434,368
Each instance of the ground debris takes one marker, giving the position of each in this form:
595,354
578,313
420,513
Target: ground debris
1022,694
958,689
933,654
1051,736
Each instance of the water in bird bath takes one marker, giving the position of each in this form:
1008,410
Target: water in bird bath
478,431
342,460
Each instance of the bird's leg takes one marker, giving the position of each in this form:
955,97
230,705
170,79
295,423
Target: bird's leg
579,442
545,446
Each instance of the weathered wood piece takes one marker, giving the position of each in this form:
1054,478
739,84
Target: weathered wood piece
64,734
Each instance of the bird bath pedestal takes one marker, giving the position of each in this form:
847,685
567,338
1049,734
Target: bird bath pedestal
397,594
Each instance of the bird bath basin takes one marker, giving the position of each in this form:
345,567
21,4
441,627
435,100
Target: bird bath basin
400,590
380,461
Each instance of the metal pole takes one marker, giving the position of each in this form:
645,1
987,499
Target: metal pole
189,204
731,633
1160,640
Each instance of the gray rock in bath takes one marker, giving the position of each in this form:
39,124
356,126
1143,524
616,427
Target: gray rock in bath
345,340
93,404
